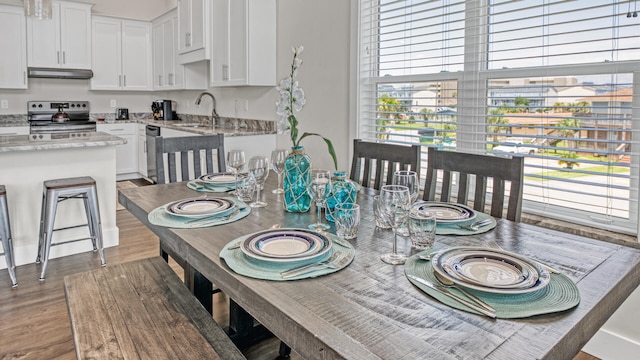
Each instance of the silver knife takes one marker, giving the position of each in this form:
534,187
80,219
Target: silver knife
446,292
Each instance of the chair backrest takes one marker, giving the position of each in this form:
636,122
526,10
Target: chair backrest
382,158
483,167
185,149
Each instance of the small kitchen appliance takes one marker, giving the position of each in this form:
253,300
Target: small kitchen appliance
122,114
51,120
163,110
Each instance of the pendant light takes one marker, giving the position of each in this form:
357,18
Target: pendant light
39,9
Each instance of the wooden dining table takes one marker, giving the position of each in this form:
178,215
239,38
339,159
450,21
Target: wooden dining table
370,310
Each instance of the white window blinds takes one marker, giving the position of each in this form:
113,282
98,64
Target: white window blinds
553,81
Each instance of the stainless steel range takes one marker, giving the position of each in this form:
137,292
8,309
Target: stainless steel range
50,120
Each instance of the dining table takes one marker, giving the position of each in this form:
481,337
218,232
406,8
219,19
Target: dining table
371,310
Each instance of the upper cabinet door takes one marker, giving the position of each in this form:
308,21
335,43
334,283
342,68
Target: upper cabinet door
64,41
243,43
13,64
136,55
107,67
194,28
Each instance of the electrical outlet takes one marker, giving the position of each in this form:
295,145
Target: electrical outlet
4,103
114,103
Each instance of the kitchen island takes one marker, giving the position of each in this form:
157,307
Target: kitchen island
27,163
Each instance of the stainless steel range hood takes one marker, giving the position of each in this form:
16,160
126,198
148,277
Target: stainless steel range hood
53,73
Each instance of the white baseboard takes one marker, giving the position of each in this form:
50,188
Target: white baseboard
610,346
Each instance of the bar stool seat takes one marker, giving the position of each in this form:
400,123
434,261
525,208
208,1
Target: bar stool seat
58,190
5,236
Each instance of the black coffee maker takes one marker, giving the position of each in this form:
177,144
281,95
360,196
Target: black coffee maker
163,110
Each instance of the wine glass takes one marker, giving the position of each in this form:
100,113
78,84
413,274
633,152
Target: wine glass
235,163
409,179
259,168
318,188
395,201
278,158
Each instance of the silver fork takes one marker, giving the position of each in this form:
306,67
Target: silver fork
337,264
476,225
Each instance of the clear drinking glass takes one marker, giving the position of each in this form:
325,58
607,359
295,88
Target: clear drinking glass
278,158
395,202
246,187
381,222
409,179
422,229
319,187
259,168
235,163
347,218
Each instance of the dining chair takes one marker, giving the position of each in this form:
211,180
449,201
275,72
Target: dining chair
176,160
490,174
186,158
374,163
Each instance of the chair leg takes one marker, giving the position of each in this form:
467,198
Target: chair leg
51,206
7,243
96,223
41,232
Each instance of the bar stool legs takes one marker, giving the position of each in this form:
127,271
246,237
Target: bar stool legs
5,236
59,190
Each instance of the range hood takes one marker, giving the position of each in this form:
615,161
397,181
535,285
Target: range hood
53,73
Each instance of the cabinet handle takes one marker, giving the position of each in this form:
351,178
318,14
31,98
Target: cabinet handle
24,74
119,80
124,80
145,147
64,57
171,80
112,130
188,39
58,56
159,80
225,72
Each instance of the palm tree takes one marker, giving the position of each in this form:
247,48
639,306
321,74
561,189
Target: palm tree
495,120
569,128
388,108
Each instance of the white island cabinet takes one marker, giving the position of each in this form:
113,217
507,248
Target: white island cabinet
27,164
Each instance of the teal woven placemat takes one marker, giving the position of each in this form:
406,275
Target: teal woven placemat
560,294
268,270
160,217
453,229
197,186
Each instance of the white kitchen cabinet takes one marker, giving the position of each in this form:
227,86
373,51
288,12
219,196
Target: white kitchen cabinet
142,149
243,51
64,41
168,73
122,55
126,154
193,34
13,63
14,130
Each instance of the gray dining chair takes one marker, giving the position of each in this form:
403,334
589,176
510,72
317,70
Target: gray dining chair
187,158
374,163
171,152
490,174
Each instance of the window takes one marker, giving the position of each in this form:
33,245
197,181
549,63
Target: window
550,80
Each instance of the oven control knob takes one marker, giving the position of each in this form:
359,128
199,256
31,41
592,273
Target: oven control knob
39,105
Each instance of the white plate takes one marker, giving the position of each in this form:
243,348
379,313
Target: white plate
286,245
200,207
218,179
444,212
490,270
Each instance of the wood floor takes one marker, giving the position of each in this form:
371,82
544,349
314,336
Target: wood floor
34,322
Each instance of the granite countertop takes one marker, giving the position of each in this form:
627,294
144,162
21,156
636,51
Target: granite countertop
189,123
13,143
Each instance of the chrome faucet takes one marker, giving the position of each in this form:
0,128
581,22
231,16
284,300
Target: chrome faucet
215,118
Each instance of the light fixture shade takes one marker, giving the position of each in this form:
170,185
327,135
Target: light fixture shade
39,9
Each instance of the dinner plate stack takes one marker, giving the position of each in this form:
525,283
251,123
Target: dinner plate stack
445,213
201,207
217,180
286,245
490,270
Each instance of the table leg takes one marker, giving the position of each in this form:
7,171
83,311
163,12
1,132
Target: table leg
202,288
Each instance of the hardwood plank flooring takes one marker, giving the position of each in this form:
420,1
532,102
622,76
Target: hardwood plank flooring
34,322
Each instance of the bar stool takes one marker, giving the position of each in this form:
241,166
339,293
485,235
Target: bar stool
5,234
59,190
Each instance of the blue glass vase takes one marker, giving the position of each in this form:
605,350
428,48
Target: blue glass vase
297,175
343,191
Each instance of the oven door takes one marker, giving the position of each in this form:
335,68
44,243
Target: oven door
60,128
